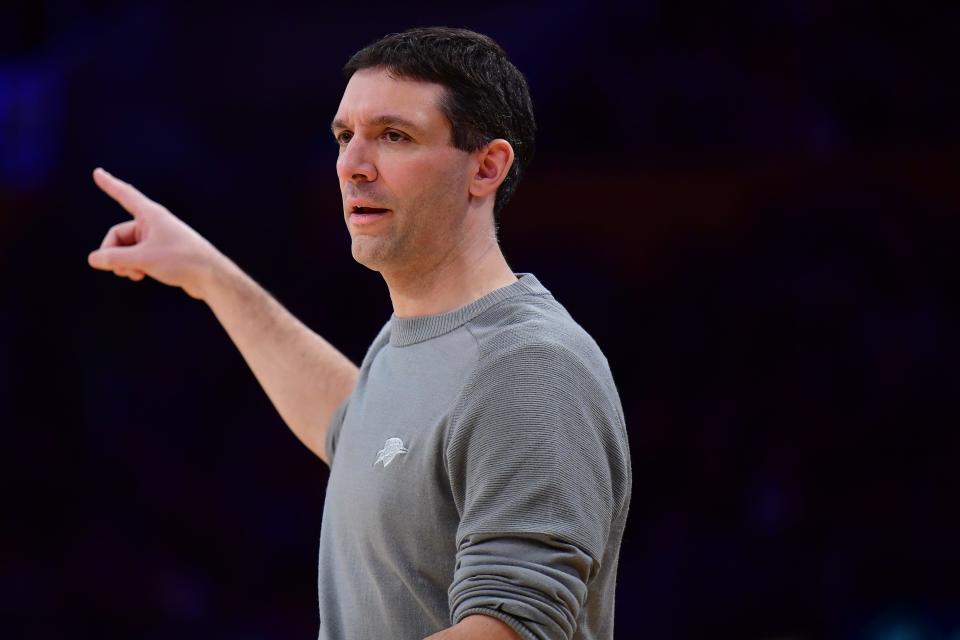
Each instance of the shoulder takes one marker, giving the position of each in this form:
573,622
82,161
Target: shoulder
534,336
537,371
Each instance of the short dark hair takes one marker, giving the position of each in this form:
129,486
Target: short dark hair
486,96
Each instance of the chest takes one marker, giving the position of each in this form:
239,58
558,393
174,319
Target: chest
388,476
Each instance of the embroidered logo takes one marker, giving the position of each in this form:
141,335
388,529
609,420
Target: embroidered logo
391,449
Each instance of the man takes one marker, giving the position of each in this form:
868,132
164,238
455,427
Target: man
479,467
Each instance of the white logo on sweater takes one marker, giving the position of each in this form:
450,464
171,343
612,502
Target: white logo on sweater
391,449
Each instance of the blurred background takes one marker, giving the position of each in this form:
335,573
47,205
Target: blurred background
753,207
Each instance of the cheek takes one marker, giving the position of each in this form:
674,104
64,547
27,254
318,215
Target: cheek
443,179
426,183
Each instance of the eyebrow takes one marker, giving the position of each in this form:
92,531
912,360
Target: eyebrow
387,120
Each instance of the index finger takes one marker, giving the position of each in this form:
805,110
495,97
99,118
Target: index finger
125,194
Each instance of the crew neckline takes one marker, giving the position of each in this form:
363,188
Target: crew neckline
408,331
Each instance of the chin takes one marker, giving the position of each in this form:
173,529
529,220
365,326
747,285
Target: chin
369,254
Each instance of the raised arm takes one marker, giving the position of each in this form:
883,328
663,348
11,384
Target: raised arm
304,376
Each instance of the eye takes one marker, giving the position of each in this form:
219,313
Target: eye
394,136
343,137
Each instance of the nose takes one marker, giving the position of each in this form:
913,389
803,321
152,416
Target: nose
356,162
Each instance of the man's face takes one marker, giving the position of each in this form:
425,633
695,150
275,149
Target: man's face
404,185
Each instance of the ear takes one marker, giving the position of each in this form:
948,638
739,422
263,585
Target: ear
493,162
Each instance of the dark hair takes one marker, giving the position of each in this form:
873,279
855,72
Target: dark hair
486,96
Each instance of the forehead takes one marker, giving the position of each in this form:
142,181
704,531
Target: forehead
373,93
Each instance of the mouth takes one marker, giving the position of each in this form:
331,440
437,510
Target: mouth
366,215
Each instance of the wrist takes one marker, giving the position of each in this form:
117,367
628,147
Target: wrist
211,275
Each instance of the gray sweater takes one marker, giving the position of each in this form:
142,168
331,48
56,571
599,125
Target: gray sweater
481,465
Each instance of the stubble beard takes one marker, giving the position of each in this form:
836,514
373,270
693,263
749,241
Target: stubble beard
418,236
395,246
375,252
412,243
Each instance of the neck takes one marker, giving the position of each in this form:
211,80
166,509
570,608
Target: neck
466,273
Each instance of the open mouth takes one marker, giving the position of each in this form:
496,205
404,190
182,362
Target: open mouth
368,210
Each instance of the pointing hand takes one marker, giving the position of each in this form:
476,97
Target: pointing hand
154,243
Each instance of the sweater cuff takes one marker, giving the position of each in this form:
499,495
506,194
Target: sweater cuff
534,583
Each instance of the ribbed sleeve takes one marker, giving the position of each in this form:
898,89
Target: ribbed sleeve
535,584
536,471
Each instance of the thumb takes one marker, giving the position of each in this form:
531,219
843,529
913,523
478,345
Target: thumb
114,258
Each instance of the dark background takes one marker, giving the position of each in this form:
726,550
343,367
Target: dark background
752,207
